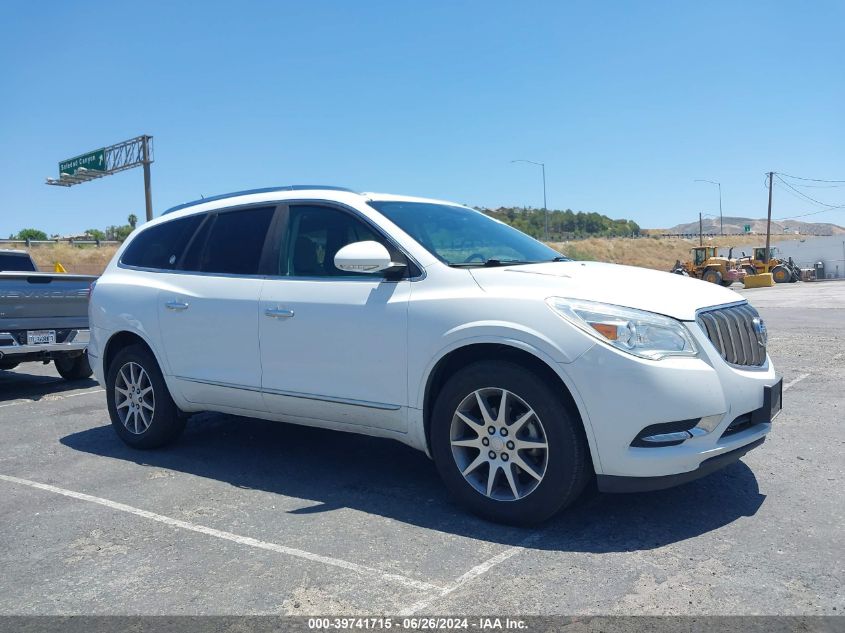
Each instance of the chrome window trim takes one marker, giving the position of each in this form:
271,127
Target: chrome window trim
190,272
296,394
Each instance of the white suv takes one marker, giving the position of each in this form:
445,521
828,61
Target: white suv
522,373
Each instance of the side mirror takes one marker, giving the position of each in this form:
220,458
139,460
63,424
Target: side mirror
364,257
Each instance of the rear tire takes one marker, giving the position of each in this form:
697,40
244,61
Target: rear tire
140,406
74,367
781,274
727,283
553,476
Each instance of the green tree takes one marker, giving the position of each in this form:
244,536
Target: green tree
133,220
96,234
118,233
30,234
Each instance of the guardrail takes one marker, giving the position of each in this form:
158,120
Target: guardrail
61,240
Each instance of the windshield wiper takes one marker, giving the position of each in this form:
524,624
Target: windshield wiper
489,263
561,258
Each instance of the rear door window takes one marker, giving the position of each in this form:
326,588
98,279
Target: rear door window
161,246
232,242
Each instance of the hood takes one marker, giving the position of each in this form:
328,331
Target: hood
640,288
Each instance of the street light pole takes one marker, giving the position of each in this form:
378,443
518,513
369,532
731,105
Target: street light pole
718,184
545,206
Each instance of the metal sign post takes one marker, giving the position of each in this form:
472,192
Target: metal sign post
107,161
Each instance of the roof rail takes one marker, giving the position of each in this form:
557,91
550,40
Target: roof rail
246,192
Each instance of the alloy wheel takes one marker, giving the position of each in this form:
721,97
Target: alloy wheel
499,444
134,398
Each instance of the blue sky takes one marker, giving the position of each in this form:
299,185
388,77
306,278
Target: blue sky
626,102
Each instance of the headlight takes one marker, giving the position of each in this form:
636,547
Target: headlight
637,332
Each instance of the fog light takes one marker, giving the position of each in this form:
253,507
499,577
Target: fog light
665,438
674,433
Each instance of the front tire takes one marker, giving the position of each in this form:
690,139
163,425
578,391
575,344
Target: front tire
140,406
73,368
518,464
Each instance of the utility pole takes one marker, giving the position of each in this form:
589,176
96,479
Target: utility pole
701,230
145,160
769,222
721,222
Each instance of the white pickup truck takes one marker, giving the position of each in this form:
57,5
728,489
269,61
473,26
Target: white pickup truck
43,316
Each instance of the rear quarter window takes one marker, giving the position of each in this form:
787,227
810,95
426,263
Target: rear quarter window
161,246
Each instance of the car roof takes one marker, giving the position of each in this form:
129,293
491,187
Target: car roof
286,192
249,192
13,251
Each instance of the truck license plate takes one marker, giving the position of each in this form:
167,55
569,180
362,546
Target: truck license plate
41,337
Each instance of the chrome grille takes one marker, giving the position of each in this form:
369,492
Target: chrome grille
734,334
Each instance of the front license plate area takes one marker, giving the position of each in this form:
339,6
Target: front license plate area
41,337
772,404
774,395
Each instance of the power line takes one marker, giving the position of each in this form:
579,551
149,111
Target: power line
804,215
791,193
780,173
804,195
798,184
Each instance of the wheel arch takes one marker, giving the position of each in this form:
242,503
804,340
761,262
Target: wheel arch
121,340
529,358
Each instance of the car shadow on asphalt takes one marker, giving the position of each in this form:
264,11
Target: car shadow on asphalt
18,385
383,477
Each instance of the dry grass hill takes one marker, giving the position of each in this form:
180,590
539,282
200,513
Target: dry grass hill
736,226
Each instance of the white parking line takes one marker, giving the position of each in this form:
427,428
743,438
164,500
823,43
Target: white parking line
51,398
795,381
473,573
228,536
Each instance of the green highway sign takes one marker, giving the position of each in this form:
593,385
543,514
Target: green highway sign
748,228
94,161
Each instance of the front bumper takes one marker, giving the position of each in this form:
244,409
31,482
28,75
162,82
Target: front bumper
616,483
621,395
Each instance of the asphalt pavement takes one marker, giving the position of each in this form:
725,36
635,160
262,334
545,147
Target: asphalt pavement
243,516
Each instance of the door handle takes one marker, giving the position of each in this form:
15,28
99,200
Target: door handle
176,305
278,313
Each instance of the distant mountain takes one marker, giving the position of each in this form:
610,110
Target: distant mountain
734,226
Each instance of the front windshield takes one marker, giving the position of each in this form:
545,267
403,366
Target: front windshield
462,237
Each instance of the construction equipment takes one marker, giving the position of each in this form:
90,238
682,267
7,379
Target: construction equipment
783,271
706,264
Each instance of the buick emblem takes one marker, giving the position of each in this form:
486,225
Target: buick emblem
760,330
